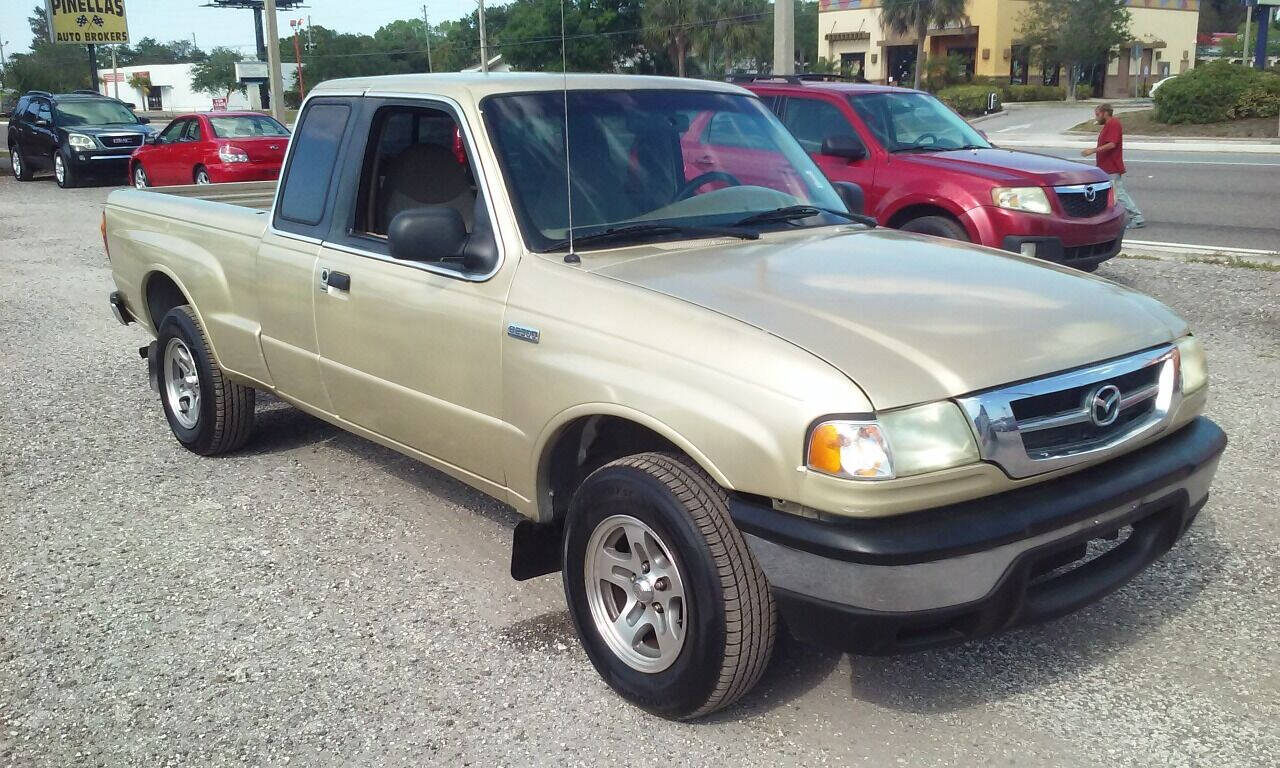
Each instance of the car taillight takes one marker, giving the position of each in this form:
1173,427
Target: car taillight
229,153
102,227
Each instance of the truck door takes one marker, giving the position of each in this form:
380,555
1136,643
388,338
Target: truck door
288,274
410,350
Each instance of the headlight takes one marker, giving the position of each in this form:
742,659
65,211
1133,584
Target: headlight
228,153
912,441
1195,369
1029,199
80,141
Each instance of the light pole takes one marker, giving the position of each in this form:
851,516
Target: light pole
4,63
273,61
484,44
427,26
784,37
295,24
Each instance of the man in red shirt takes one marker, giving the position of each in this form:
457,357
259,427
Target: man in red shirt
1110,152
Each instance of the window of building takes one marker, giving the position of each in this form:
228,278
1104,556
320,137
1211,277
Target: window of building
1019,62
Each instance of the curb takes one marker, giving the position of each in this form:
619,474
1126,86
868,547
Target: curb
1181,139
1211,254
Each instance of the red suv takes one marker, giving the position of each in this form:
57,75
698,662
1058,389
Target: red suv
924,169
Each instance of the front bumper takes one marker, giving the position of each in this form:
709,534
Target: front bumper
1077,242
113,161
945,575
1052,249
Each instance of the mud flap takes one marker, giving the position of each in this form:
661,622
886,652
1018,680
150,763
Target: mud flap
535,549
151,353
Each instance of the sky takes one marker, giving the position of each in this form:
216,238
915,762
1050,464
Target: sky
177,19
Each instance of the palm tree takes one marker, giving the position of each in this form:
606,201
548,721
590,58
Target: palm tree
906,16
670,24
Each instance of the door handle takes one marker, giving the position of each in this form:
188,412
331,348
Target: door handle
340,281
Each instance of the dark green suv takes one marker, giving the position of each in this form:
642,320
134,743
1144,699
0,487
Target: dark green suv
76,135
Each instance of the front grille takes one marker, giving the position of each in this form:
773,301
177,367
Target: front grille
1078,252
1075,199
113,140
1061,420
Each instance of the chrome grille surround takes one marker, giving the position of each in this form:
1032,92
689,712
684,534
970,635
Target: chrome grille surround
999,432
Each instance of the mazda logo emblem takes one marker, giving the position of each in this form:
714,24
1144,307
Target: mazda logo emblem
1089,194
1104,405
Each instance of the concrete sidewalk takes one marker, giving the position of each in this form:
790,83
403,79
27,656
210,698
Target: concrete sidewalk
1154,143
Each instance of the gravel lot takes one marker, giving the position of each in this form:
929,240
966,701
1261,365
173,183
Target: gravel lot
318,600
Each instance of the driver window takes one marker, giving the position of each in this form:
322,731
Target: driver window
733,129
172,131
416,158
811,121
41,111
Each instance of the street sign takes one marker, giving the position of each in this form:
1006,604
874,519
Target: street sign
87,22
251,71
112,77
219,105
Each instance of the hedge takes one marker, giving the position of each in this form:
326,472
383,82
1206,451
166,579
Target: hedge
1030,92
1216,92
969,100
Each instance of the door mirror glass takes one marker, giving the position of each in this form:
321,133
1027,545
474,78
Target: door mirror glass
851,194
143,120
429,233
846,145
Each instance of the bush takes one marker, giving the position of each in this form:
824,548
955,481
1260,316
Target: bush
1084,91
1216,92
969,100
943,71
1035,93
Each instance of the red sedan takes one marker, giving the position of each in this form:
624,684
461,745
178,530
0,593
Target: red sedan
211,147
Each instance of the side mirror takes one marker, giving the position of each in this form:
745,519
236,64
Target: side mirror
144,120
130,105
432,233
847,146
40,121
151,138
851,194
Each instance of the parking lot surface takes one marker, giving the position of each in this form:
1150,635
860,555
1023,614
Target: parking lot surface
315,599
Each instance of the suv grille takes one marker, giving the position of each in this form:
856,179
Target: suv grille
113,140
1061,420
1075,199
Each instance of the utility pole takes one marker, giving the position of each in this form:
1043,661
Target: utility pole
427,26
784,37
1260,50
297,56
484,43
4,63
1244,41
115,73
93,64
273,62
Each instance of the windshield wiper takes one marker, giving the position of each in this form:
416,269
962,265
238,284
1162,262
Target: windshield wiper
791,212
638,231
930,148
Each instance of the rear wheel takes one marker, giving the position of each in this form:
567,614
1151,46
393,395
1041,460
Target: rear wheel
140,179
202,175
938,226
668,601
21,171
63,172
207,412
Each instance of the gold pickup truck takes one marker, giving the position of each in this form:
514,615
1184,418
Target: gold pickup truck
633,309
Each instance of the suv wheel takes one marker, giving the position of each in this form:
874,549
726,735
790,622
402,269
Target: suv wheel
62,172
668,601
208,413
938,226
21,171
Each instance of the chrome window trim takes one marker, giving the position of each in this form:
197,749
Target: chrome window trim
999,434
1078,189
482,178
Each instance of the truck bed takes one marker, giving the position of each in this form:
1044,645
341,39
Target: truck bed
248,194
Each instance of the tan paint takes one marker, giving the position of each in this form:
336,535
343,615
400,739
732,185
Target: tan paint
730,351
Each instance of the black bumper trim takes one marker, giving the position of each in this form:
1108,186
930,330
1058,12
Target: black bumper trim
1052,249
984,523
1024,595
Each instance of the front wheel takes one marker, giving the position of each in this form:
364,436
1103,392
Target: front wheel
668,601
63,172
938,226
207,412
140,179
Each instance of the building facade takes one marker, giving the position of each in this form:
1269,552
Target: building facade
851,35
167,88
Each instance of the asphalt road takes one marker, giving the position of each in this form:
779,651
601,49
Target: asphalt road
319,600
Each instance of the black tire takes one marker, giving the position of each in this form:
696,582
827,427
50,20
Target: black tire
938,226
1089,267
68,178
732,620
196,173
224,419
22,169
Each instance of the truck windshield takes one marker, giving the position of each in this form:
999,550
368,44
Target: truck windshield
92,112
915,122
680,162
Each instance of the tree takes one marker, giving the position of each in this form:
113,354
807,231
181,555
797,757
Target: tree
48,67
670,25
730,34
216,75
918,17
597,34
1075,33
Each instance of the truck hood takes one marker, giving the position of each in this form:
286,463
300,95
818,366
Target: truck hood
910,318
1006,167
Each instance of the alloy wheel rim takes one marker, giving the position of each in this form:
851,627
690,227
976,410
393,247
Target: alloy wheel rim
181,383
202,177
636,594
59,170
139,178
16,159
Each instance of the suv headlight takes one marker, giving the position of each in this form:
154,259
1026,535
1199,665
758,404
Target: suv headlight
911,441
1195,369
81,141
1029,199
